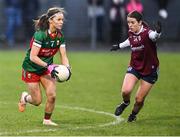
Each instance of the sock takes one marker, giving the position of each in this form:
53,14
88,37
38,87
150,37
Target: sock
28,98
137,108
127,102
134,113
47,116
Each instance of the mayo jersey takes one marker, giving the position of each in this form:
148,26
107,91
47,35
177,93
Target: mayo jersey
49,45
143,51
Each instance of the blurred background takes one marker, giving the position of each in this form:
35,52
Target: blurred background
90,24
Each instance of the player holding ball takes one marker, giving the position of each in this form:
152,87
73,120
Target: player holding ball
38,67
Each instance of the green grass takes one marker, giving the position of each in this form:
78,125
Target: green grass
85,105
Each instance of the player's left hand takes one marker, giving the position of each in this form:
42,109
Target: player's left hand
54,73
158,26
70,73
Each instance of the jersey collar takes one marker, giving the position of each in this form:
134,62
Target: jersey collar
139,30
52,35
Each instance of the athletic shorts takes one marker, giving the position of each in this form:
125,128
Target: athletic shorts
30,77
151,78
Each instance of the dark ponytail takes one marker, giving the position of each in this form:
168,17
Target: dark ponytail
42,23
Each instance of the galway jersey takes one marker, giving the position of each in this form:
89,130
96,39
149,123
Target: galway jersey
143,51
49,45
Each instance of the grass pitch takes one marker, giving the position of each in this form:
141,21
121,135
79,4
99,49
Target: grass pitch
85,105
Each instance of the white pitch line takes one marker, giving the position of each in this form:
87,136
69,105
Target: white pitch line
115,122
27,131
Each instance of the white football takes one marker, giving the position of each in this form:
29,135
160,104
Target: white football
63,73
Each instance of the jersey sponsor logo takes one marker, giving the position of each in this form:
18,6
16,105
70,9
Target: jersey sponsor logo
137,48
47,52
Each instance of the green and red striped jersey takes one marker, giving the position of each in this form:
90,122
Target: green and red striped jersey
49,45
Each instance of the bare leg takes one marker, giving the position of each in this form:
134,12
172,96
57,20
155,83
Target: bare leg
33,97
50,88
128,84
142,92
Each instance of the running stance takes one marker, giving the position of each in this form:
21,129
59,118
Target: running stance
144,63
38,67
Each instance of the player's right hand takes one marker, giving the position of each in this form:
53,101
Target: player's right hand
51,69
114,47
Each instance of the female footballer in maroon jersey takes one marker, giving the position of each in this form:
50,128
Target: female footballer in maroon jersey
144,63
38,67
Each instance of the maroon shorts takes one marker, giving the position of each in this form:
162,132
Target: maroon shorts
30,77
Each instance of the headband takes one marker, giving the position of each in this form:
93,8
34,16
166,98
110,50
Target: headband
54,15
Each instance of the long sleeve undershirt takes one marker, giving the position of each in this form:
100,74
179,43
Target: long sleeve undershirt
153,35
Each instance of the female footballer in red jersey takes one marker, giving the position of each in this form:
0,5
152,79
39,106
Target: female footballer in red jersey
143,65
38,67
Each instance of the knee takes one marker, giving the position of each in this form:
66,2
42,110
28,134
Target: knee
37,102
126,92
51,97
139,100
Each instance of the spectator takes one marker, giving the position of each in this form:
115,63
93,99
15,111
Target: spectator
96,10
117,19
134,5
14,19
163,8
30,12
